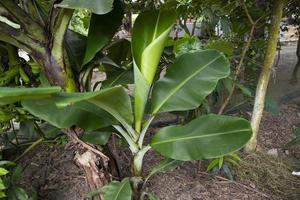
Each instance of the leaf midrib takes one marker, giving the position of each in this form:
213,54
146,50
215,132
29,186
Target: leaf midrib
199,136
122,185
183,83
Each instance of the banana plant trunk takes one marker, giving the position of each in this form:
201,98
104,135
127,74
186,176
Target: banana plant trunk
265,73
45,44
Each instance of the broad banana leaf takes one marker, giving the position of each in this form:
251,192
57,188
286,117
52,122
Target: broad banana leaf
205,137
188,81
102,29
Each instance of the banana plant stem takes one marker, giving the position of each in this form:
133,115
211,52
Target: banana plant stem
32,146
144,131
132,145
138,161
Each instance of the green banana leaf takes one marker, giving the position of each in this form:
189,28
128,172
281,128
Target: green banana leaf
164,166
102,29
205,137
83,114
86,110
113,100
99,7
118,190
96,137
188,81
75,45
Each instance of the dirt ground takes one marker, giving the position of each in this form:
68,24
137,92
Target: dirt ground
50,170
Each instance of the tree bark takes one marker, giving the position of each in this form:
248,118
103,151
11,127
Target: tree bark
265,73
45,44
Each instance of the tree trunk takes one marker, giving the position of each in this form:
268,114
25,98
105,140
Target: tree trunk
45,44
265,73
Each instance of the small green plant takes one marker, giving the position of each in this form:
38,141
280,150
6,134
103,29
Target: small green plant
14,191
9,187
224,164
3,173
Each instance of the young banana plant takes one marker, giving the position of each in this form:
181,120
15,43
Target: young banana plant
185,85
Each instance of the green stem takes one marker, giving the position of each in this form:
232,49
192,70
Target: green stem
39,130
132,145
138,161
14,65
32,146
12,55
144,131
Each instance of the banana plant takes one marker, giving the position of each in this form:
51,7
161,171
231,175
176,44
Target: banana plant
185,85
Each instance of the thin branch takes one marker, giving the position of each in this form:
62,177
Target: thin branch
194,26
244,52
247,12
237,71
184,27
32,146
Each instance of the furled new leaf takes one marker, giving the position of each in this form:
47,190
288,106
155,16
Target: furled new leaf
150,32
118,190
208,136
189,80
99,7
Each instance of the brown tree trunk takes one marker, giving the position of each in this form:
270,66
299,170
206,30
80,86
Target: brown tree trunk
265,73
